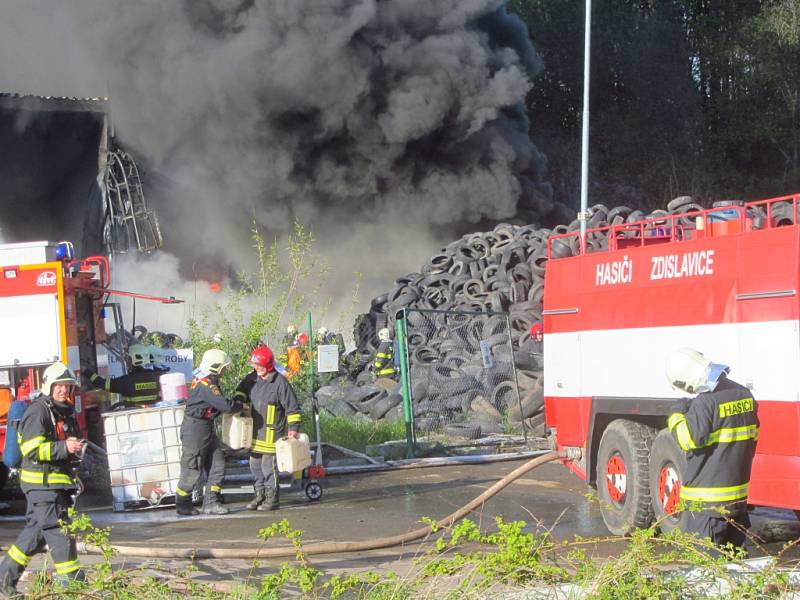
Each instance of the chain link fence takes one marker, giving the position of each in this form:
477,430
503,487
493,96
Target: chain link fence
462,374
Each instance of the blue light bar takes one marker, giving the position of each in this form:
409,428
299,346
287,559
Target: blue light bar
65,251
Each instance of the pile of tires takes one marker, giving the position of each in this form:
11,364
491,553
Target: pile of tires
497,271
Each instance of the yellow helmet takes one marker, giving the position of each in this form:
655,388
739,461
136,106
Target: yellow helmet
214,361
58,372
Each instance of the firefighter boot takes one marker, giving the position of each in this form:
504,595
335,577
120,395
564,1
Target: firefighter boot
271,501
9,575
183,506
213,505
257,500
62,582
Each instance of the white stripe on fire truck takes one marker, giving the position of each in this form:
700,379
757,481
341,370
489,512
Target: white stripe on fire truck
630,362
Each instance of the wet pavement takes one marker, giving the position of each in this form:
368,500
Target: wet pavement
363,506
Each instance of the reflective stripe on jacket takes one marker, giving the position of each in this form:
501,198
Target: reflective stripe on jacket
383,364
42,432
718,431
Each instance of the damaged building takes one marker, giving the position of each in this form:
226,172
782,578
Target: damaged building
64,176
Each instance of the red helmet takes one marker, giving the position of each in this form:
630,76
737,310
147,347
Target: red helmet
537,329
263,357
302,338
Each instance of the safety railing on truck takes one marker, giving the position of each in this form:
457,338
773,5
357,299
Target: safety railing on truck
731,218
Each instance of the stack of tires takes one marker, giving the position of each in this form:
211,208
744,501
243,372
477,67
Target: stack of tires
497,271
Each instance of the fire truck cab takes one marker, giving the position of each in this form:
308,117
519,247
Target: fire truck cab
51,309
723,281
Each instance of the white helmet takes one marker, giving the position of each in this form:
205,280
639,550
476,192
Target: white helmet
688,370
214,361
291,330
141,355
384,335
58,372
321,333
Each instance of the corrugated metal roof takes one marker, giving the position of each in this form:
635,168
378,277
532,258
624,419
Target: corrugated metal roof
53,103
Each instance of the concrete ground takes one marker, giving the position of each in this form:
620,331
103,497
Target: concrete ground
364,506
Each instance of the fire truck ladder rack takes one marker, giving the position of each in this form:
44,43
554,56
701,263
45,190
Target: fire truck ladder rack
731,218
129,224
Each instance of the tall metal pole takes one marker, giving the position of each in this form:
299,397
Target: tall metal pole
587,39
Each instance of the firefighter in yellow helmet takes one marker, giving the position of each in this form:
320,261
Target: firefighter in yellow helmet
49,445
718,430
140,386
200,449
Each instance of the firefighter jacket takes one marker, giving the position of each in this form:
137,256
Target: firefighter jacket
206,400
383,365
138,386
275,409
718,431
42,435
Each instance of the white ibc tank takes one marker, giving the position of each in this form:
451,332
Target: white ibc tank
173,387
293,454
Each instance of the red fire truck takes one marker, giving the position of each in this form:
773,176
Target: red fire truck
723,281
53,307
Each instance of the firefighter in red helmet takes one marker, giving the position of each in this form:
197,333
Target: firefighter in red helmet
276,413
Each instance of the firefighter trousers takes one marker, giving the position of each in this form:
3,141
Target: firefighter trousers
721,530
45,509
264,470
200,452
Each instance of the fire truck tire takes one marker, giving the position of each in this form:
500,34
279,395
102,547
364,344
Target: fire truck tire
3,475
623,481
667,466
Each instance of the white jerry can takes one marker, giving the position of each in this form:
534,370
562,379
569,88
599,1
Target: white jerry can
237,431
293,454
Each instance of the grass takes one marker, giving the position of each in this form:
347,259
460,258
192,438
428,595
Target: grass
459,563
355,434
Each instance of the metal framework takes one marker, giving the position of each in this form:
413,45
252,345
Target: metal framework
128,224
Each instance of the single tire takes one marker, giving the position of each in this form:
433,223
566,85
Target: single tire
667,466
467,431
623,476
3,475
314,491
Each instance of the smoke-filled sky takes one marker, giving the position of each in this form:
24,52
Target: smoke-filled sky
375,122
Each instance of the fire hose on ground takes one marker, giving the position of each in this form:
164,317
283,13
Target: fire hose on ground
330,547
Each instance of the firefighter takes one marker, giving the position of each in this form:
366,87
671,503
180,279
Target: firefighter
275,413
288,339
200,449
717,430
383,364
50,448
140,386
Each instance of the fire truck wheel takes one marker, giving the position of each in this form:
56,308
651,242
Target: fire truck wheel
623,481
667,465
3,475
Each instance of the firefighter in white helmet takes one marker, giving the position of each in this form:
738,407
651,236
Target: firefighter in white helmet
717,430
383,363
200,449
49,446
140,385
288,339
